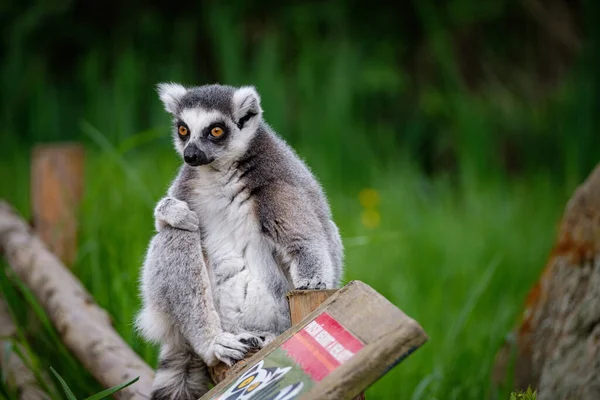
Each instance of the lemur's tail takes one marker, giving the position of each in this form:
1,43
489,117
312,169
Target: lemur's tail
181,374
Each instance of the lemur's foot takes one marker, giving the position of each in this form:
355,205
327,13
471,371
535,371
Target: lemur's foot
253,341
175,213
310,284
230,348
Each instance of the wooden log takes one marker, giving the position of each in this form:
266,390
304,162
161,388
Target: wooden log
16,373
84,327
357,336
56,190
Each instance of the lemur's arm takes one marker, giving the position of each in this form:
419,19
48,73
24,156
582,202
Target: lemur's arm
288,218
177,283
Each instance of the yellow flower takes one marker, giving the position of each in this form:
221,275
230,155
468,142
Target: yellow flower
370,218
368,198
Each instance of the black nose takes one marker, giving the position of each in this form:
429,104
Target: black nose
194,156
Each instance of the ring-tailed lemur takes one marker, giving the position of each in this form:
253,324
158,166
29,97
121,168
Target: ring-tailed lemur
243,223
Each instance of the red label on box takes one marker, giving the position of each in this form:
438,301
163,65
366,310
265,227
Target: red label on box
294,368
321,346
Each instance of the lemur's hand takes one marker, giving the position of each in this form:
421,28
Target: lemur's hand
230,348
176,214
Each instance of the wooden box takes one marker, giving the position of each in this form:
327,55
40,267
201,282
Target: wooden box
336,352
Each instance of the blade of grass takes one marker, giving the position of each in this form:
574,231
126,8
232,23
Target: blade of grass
475,294
108,148
105,393
66,388
41,315
137,140
8,349
20,345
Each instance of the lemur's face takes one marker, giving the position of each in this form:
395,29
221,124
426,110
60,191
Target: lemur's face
212,124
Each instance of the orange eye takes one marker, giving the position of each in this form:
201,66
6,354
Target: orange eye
216,131
183,130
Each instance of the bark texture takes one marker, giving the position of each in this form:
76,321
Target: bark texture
558,341
85,328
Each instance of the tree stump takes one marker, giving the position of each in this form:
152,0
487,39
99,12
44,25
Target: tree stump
56,190
558,340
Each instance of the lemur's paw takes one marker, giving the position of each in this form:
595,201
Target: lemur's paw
175,213
230,348
255,342
310,284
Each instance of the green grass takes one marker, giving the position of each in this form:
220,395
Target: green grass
458,257
524,395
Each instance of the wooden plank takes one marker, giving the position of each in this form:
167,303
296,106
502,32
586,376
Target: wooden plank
370,336
390,336
303,302
56,190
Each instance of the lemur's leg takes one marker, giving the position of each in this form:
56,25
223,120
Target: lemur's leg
175,213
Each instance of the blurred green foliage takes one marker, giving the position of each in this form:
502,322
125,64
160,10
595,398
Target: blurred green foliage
458,83
448,136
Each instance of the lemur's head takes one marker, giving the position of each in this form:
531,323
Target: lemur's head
212,123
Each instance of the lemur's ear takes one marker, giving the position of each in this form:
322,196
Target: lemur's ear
246,104
170,94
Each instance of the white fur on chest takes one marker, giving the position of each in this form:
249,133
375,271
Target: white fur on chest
240,258
229,223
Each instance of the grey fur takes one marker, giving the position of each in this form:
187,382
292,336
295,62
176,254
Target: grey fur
234,235
181,374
